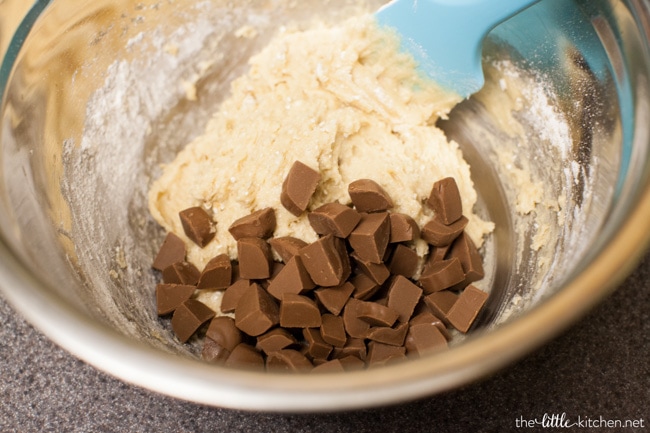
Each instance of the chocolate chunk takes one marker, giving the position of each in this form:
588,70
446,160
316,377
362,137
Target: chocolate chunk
368,196
327,261
462,314
429,318
256,311
245,356
298,187
364,286
354,347
375,314
255,258
465,250
404,261
170,296
288,360
437,254
403,296
370,237
293,278
445,200
335,219
259,224
334,298
441,302
423,337
403,228
171,251
197,225
188,318
441,275
354,326
382,354
332,330
392,336
298,311
213,351
232,295
181,273
274,340
317,347
438,234
378,272
332,366
217,273
223,331
287,246
351,363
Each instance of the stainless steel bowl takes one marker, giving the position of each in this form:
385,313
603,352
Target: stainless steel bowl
95,96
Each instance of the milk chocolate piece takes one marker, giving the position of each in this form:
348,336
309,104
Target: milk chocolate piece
370,237
403,228
465,250
462,314
298,311
259,224
288,360
317,347
232,295
213,351
171,251
353,347
287,246
403,296
378,272
327,261
256,311
274,340
441,275
382,354
293,278
436,254
245,356
438,234
170,296
445,200
223,331
255,258
351,362
332,330
368,196
354,326
188,318
334,298
181,273
332,366
441,302
392,336
217,273
404,261
335,219
197,225
430,319
375,314
364,286
298,187
423,337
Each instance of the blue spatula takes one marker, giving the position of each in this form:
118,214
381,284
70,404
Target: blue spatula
446,36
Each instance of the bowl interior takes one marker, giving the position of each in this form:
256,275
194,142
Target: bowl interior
104,92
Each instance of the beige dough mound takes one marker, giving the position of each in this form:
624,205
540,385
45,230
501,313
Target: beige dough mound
342,100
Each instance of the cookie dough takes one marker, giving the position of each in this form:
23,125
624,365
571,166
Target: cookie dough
344,101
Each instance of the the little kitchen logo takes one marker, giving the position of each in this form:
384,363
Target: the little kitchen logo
563,421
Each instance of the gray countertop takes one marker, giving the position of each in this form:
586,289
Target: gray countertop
596,372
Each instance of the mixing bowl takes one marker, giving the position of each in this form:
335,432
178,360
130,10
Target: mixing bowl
97,94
